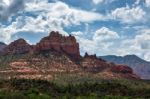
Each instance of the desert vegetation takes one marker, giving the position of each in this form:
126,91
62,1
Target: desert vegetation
102,89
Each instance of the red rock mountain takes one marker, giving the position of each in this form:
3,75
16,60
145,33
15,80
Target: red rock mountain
59,43
54,41
19,46
63,56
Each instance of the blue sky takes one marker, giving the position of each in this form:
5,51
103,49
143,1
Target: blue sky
104,27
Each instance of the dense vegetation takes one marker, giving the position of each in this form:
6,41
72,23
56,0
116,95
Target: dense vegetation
105,89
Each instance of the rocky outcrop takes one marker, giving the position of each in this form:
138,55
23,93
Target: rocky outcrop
59,43
92,63
19,46
106,69
121,69
124,72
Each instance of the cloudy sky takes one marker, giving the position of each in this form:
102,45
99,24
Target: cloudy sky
104,27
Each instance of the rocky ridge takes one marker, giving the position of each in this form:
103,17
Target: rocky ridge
57,54
54,41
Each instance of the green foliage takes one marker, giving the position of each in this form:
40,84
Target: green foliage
35,96
39,89
115,97
14,95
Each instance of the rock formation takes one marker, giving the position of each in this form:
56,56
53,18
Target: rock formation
92,63
59,43
54,41
106,69
19,46
121,69
61,54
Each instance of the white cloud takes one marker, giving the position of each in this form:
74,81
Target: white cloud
138,45
147,56
62,11
9,8
7,2
147,3
29,24
129,15
49,16
97,1
78,33
104,34
108,42
137,2
102,1
5,37
102,39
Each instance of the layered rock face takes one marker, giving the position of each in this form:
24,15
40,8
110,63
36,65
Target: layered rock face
106,69
92,63
19,46
59,43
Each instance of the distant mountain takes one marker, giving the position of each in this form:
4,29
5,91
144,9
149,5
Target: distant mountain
139,66
2,46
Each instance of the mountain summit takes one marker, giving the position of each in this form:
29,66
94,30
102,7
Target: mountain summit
19,46
59,43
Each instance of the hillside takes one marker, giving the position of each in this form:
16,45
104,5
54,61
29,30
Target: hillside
139,66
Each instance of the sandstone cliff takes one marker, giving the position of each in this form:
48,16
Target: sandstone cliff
59,43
